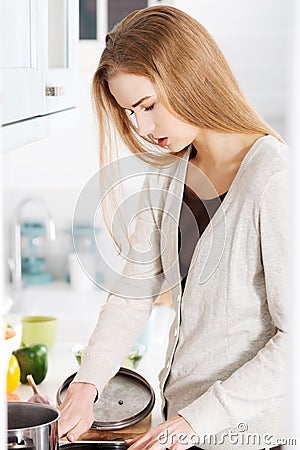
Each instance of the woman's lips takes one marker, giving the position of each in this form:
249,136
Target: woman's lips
162,142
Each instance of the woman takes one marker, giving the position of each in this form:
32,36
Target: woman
219,173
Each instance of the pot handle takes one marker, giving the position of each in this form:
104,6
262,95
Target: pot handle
24,443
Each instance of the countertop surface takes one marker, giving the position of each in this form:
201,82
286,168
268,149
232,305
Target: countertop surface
77,315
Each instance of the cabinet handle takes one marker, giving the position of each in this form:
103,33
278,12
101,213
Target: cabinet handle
55,91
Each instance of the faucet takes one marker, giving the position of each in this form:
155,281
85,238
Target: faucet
15,261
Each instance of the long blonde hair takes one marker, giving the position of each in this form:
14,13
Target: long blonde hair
190,73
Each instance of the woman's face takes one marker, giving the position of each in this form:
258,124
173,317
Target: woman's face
137,95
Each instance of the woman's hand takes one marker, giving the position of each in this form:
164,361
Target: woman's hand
174,434
76,411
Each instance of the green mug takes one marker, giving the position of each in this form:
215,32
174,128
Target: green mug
39,330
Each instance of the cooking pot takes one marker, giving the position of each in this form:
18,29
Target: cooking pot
31,426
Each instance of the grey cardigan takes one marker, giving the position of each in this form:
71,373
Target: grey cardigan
225,362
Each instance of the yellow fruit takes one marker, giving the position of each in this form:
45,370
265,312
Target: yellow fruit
13,375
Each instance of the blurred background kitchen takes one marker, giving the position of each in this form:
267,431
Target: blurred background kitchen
50,141
50,51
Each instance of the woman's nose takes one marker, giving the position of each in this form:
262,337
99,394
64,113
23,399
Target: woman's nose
144,127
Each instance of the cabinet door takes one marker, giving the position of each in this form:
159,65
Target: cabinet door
61,38
22,76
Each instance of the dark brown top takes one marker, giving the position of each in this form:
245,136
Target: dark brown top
194,217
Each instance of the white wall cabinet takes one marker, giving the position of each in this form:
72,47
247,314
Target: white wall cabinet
62,36
38,77
22,74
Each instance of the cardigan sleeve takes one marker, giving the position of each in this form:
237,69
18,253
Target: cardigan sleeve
257,388
127,309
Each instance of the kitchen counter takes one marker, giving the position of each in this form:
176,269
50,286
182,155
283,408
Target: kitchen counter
77,311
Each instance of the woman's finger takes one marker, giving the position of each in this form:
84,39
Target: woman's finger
148,441
81,427
131,441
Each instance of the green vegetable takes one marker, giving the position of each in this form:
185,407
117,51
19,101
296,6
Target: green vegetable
135,356
33,360
132,360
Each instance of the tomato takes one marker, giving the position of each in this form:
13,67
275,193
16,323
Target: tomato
13,375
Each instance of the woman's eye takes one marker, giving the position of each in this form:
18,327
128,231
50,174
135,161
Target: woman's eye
148,108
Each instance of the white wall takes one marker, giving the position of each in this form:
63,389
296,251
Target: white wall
255,37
